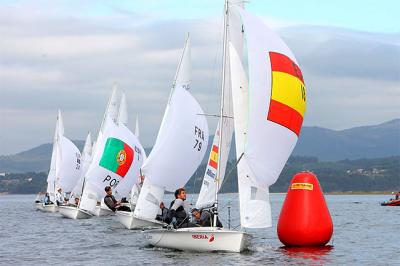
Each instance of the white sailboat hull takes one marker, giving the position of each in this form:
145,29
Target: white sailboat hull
73,212
103,211
199,239
131,222
39,206
49,208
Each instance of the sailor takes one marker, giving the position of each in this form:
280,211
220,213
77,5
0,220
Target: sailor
177,213
163,213
59,197
204,218
77,201
46,199
136,191
112,203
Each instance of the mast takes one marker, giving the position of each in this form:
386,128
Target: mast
225,35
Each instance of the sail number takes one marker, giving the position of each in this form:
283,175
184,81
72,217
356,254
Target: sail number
78,161
199,138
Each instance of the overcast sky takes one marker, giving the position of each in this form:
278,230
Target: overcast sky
68,54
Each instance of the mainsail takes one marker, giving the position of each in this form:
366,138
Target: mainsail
86,160
68,168
123,111
180,145
51,178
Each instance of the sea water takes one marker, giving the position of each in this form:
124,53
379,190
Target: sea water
365,233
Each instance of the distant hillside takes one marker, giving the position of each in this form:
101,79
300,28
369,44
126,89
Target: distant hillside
34,160
376,141
382,174
360,142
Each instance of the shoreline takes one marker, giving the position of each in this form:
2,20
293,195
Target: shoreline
388,193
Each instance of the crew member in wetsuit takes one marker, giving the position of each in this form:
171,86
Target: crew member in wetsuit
205,218
112,203
163,213
60,197
177,213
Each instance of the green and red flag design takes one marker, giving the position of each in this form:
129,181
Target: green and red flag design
288,94
117,156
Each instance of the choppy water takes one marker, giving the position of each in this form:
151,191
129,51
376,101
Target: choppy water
364,234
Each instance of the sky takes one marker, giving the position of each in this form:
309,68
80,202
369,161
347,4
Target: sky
66,54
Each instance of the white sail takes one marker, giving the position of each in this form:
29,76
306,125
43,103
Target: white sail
220,151
110,115
68,169
123,111
51,178
124,187
209,185
254,201
268,128
119,157
149,200
182,138
137,131
277,101
86,160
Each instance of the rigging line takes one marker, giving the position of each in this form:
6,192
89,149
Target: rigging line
213,115
231,170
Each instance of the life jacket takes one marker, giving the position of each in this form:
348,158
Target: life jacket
210,221
180,213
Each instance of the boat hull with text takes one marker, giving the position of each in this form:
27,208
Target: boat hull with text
203,239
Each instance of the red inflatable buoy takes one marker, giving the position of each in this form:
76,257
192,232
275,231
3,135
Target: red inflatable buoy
305,219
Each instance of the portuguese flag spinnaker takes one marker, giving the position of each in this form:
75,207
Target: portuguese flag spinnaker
117,156
288,95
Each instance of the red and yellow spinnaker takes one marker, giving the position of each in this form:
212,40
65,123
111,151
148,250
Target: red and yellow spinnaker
288,93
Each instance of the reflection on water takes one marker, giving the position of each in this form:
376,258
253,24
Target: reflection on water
365,233
315,254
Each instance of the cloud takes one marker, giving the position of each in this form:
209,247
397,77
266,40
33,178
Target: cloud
51,60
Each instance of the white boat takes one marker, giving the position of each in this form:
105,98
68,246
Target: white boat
199,239
266,130
65,166
103,210
49,208
73,212
180,145
128,220
39,206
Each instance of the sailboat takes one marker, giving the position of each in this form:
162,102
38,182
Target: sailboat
118,156
73,211
267,120
87,207
179,149
65,166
